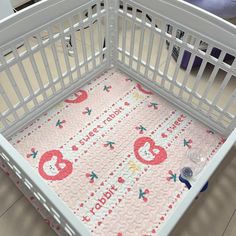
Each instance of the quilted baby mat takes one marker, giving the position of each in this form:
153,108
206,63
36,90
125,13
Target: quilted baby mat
113,152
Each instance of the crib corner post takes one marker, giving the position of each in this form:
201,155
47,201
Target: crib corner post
112,29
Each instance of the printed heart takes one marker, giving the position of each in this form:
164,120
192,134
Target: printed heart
141,89
54,160
80,96
163,135
126,104
102,184
162,218
121,180
153,231
74,148
110,211
128,189
99,223
147,152
178,195
170,206
119,200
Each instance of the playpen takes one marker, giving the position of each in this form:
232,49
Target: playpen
52,49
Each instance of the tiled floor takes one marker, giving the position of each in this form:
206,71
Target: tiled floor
212,214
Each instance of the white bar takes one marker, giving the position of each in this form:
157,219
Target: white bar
74,43
140,51
199,74
25,78
55,55
65,52
91,32
134,10
150,46
13,83
99,30
179,60
124,30
36,71
84,46
189,67
45,62
159,52
167,64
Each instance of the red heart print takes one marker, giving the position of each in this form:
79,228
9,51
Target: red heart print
170,206
80,96
121,180
74,148
52,161
147,152
163,135
140,88
126,104
162,218
99,223
153,231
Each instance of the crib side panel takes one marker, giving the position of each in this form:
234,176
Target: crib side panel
181,59
58,52
41,191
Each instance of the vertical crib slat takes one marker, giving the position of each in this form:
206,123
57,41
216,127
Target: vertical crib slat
65,53
189,67
45,62
13,83
159,51
124,29
211,80
199,75
178,63
55,55
140,51
36,71
167,64
74,43
91,32
25,77
150,42
84,46
132,37
99,32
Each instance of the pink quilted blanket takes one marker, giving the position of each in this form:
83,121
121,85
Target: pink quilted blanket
113,153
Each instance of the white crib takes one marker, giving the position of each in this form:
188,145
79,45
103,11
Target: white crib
111,26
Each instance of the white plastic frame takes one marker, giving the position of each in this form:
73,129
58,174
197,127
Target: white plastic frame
201,26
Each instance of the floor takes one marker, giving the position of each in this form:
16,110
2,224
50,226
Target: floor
212,214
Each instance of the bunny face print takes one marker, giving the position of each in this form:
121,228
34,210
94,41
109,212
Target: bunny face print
52,166
147,152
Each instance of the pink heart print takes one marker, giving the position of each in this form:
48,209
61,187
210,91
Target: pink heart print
147,152
52,166
80,96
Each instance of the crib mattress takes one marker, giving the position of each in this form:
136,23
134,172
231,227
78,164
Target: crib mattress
112,152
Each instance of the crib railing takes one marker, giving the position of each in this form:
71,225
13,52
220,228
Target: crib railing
45,57
210,56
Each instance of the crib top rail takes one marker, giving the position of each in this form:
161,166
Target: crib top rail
202,21
20,24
